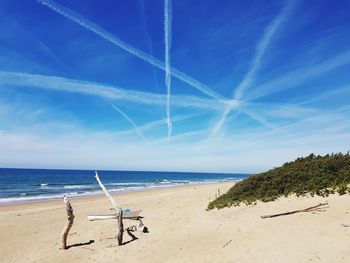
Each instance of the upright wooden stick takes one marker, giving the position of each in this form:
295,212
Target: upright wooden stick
69,224
120,228
117,209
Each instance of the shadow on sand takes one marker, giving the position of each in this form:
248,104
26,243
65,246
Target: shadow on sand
133,237
81,244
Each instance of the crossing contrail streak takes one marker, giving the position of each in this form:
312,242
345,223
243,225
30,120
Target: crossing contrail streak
300,76
264,122
139,132
149,42
167,40
82,21
261,48
227,110
9,79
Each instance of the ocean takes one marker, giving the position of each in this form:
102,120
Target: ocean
30,185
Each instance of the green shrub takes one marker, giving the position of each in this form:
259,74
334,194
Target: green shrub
314,175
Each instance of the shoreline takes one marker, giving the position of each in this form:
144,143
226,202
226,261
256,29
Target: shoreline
39,199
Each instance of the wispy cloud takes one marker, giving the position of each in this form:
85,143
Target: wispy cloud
258,134
11,28
261,48
167,41
82,21
265,122
217,127
77,150
282,110
299,77
148,39
327,95
295,123
136,128
101,90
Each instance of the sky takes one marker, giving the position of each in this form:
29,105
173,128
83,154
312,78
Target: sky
161,85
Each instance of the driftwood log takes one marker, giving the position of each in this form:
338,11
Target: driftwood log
120,228
69,224
309,209
116,208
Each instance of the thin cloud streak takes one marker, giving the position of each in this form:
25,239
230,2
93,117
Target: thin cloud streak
267,124
101,90
261,119
167,40
327,95
136,128
149,42
158,123
299,77
82,21
217,127
74,150
261,48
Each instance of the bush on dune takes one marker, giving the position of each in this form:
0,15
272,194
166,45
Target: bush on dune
314,175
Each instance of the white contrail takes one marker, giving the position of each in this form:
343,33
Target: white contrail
300,76
227,110
342,90
139,132
82,21
261,48
8,79
167,40
148,39
160,122
267,124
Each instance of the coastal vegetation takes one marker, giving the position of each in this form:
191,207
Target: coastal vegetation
311,175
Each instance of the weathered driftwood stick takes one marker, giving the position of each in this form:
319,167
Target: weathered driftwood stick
120,227
227,243
309,209
219,192
345,225
114,204
116,207
69,223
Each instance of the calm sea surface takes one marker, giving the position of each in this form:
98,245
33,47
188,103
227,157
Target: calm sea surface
28,185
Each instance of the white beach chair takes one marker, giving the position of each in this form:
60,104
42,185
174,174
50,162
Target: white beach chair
127,214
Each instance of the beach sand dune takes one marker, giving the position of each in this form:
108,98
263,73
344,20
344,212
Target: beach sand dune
181,230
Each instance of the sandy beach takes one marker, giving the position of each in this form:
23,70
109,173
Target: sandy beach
180,230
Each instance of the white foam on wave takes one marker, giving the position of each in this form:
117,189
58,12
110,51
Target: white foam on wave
78,186
123,184
29,199
164,183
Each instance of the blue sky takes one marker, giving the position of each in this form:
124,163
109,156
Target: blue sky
228,86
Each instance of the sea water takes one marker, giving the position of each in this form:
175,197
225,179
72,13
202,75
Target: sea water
30,185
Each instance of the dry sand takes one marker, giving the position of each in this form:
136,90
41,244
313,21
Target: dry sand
181,230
